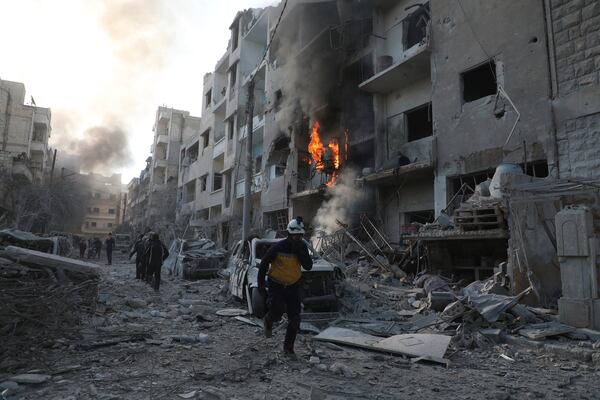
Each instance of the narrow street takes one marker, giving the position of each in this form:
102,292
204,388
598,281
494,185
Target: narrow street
171,345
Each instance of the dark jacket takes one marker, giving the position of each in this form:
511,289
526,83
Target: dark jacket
286,254
155,253
139,248
109,242
98,244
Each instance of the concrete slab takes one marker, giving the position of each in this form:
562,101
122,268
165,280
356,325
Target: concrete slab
44,260
431,346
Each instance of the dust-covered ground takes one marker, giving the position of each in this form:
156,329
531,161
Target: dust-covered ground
139,346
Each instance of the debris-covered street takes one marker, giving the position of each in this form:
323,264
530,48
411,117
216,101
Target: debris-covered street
300,199
169,345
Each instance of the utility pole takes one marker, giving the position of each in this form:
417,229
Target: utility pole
52,169
249,169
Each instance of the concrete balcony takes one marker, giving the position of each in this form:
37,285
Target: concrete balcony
257,185
158,187
158,163
422,153
412,65
219,147
164,139
38,147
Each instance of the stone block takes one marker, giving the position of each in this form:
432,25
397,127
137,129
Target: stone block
584,68
565,50
574,5
590,11
591,25
575,312
561,38
588,79
557,3
571,19
576,277
574,33
567,86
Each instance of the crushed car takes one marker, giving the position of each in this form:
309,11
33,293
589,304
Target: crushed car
318,287
195,259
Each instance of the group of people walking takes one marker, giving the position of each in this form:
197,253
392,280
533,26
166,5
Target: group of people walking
92,247
150,252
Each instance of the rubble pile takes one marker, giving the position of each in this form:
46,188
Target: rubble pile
195,259
41,301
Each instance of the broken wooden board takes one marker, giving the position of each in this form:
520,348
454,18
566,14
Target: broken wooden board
431,346
544,330
38,259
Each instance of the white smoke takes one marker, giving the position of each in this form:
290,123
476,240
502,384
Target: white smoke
345,197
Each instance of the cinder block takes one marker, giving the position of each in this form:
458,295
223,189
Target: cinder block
575,312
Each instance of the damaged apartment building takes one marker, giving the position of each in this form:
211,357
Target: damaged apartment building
24,133
152,196
422,100
308,77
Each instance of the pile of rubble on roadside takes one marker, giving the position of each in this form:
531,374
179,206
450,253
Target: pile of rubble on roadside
195,259
42,296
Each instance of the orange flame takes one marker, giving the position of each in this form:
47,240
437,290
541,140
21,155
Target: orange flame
318,152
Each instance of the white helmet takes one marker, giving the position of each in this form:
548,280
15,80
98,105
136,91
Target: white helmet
296,227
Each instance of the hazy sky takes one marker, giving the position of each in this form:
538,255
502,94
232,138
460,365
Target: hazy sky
106,65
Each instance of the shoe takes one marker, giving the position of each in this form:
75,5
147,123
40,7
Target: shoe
268,325
288,351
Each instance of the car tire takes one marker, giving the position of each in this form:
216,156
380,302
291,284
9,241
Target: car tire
259,304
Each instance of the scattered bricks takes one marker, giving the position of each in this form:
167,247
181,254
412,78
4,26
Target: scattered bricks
590,11
565,50
557,3
588,79
574,5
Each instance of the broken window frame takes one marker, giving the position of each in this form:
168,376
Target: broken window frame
208,98
203,182
407,129
205,139
421,15
217,178
478,90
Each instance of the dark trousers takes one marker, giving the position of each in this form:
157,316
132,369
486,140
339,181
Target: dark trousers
140,270
285,299
109,255
153,276
98,252
81,252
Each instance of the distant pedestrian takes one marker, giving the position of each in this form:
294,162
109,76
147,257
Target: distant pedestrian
109,242
90,247
82,247
97,247
138,249
156,253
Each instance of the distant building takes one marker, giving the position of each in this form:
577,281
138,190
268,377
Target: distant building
151,198
105,204
24,133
